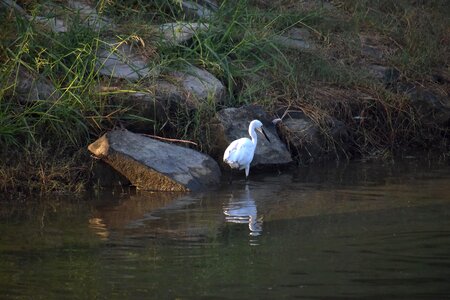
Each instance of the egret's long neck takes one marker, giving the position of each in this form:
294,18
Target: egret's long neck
253,135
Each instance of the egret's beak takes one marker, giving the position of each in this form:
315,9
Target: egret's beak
263,132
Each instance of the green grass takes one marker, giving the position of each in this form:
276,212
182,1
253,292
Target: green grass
417,29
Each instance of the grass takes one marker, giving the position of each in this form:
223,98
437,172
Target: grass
46,135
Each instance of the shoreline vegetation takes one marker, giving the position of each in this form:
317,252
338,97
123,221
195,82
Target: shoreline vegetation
380,68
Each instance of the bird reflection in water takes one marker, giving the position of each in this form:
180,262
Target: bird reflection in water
242,210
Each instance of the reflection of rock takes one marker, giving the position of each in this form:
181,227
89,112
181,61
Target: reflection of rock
127,213
149,215
232,123
242,209
153,165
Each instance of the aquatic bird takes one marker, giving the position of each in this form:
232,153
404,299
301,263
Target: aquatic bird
239,154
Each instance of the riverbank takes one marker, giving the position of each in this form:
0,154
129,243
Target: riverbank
73,70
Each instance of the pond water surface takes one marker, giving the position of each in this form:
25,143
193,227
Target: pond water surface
354,231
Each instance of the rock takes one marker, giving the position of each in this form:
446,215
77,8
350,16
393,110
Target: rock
30,87
387,75
308,142
142,104
89,15
232,123
295,38
370,48
54,24
190,86
434,108
177,33
195,9
153,165
120,60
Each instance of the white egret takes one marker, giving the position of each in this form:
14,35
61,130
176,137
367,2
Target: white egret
239,154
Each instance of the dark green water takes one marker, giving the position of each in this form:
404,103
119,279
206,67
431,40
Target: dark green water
359,231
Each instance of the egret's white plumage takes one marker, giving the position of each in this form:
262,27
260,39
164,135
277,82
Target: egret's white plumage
239,154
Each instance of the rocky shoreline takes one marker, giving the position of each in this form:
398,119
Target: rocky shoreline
336,126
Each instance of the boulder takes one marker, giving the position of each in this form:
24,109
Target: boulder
179,32
308,142
371,48
433,107
199,10
232,124
30,87
190,86
138,101
150,164
388,75
120,60
54,24
295,38
89,15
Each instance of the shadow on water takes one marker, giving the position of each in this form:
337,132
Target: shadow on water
356,231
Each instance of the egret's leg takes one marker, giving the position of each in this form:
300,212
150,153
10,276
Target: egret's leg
231,176
247,171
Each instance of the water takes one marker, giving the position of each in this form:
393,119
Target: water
355,231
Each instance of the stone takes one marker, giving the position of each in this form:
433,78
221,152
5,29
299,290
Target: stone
295,38
387,75
141,103
90,16
29,87
370,47
232,124
195,9
179,32
190,86
434,108
308,142
119,60
56,25
150,164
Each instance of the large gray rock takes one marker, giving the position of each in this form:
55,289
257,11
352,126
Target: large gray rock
388,75
54,24
295,38
153,165
179,32
30,87
199,10
433,107
190,86
308,142
89,15
232,124
120,60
